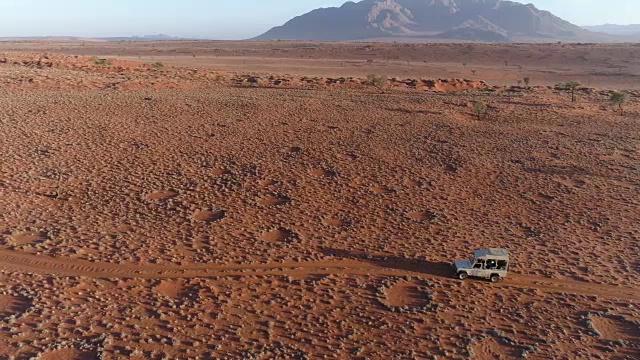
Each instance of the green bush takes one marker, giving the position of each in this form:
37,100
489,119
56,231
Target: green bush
619,98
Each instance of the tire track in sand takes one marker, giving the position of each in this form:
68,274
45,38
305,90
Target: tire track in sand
14,261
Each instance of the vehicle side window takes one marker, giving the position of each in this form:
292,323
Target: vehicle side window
502,265
477,266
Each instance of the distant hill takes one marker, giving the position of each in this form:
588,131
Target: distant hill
43,38
471,20
615,29
158,37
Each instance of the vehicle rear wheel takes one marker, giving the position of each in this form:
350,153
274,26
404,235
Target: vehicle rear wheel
462,275
495,278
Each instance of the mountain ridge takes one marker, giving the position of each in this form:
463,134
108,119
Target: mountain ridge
474,20
614,29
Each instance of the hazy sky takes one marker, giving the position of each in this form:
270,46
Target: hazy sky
223,19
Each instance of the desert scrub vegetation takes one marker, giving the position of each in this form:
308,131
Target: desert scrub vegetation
377,81
480,108
619,98
101,62
157,65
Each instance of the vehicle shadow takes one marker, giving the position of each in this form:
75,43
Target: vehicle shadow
439,269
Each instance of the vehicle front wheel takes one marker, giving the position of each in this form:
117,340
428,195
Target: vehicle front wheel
462,275
494,278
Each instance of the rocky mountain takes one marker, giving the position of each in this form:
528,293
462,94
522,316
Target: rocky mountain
477,20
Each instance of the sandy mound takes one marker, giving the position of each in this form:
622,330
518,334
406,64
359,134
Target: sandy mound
422,216
407,293
335,222
411,182
27,237
381,190
571,183
161,195
616,328
208,216
491,348
273,200
170,289
68,354
220,172
279,235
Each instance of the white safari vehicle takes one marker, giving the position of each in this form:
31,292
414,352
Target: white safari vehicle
492,264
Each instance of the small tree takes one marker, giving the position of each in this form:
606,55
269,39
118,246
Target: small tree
527,81
619,98
480,107
377,81
573,86
473,71
570,86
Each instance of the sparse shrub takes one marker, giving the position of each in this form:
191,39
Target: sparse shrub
253,80
619,98
527,81
480,108
102,62
157,65
377,81
474,71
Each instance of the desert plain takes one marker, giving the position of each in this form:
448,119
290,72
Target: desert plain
261,200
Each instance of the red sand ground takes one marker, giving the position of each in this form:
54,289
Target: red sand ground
157,212
595,65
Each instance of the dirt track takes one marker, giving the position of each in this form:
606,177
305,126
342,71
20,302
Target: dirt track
15,261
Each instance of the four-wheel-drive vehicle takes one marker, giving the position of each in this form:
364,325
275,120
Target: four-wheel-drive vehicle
492,264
